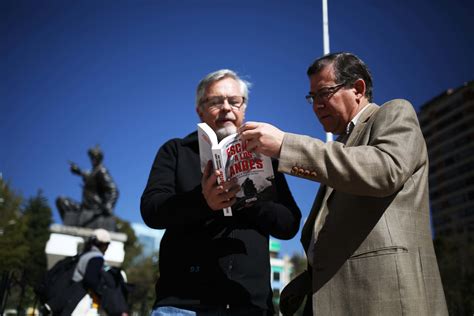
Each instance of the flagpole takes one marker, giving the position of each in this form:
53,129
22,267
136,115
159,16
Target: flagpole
329,137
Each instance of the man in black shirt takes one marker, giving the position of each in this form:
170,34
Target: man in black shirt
211,264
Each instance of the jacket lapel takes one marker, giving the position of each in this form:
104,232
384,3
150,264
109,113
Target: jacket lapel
361,123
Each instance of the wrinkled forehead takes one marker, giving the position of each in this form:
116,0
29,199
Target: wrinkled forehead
224,87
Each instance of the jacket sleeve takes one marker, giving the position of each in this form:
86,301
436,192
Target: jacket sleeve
161,205
92,276
279,218
378,168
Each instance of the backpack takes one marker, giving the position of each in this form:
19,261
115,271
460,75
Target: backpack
55,282
114,292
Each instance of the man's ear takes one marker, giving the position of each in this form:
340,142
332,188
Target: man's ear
200,113
359,88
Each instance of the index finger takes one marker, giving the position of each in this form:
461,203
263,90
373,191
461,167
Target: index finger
248,126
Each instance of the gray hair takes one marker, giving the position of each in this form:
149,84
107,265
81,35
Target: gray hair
219,75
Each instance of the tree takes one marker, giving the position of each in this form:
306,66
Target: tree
299,263
24,231
143,276
132,246
13,246
38,217
14,250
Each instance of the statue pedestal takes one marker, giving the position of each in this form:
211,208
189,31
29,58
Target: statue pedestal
66,241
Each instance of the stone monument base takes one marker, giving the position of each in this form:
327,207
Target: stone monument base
66,241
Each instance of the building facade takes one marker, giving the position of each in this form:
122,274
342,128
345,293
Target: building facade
281,270
447,122
148,238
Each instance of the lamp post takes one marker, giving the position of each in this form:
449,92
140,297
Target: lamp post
329,137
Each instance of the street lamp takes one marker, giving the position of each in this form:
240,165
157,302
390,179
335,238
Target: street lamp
329,137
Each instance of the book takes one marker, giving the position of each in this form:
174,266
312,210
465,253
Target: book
254,172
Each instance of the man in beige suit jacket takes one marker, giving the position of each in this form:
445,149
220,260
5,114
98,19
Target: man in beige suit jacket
367,237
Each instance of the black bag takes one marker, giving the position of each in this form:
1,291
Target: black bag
55,283
114,292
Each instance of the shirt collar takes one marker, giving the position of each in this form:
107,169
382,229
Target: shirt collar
354,120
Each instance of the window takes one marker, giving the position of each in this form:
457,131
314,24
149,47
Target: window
276,276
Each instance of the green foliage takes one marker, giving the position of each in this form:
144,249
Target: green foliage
38,218
13,246
299,264
24,232
143,275
455,256
132,246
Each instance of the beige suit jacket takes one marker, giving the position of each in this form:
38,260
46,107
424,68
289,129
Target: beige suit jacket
374,252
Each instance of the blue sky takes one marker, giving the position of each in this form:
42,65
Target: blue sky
122,74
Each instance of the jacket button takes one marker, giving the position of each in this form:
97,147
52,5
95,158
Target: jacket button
300,172
306,173
294,170
313,174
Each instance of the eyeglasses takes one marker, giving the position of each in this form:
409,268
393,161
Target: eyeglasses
217,102
324,93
